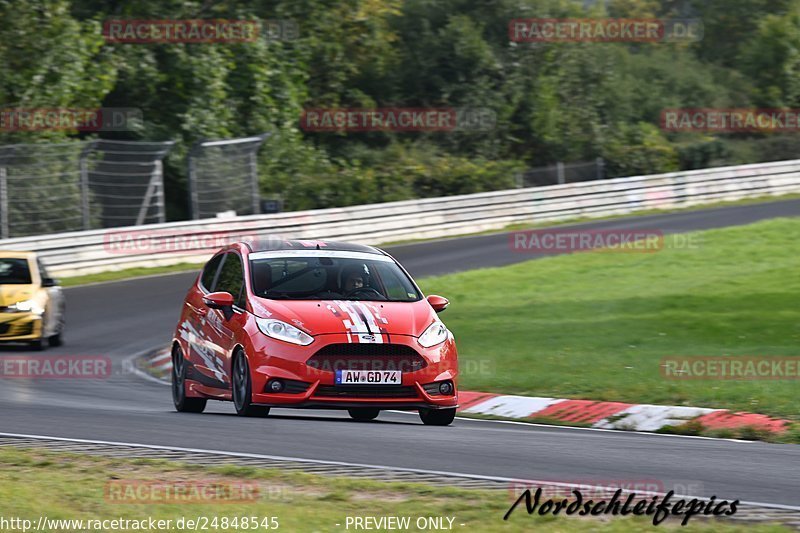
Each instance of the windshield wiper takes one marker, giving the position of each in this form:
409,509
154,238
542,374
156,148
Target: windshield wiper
276,295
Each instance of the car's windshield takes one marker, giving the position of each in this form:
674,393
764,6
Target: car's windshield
331,278
14,271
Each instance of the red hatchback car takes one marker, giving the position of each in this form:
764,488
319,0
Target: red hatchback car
313,324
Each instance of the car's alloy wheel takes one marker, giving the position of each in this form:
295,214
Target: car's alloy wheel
243,389
364,414
183,404
437,417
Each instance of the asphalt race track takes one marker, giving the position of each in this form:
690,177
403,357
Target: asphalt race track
123,318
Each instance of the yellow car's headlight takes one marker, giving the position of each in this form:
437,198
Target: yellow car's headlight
27,306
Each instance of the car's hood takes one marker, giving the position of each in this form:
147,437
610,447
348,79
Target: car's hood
318,317
11,294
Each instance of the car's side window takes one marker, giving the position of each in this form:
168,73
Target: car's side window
231,278
210,273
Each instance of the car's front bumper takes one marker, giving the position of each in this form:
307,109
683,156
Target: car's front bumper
15,327
315,387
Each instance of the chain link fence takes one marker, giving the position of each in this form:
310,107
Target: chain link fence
223,177
54,188
126,181
562,173
41,189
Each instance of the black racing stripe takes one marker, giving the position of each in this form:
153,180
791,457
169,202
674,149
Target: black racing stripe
363,317
195,375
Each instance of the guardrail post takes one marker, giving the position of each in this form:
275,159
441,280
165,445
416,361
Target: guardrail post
600,168
3,204
560,170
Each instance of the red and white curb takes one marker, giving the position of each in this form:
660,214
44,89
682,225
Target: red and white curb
603,415
158,364
612,415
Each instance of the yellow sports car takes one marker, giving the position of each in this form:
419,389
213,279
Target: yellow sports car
31,302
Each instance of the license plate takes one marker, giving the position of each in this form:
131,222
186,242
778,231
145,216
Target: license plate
369,377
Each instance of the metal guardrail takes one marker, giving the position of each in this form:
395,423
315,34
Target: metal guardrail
88,252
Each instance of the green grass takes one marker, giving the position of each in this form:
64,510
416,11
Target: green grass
638,213
596,325
128,273
71,486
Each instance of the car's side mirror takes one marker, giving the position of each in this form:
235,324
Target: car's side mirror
218,300
49,282
439,303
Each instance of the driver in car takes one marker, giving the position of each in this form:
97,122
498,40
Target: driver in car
354,278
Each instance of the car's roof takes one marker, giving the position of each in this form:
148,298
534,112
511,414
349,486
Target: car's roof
275,244
17,254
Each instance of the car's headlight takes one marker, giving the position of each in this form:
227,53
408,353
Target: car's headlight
283,331
27,306
435,334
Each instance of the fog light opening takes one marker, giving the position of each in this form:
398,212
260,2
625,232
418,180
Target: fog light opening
275,385
446,388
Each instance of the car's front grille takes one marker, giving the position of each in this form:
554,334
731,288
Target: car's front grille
377,391
367,357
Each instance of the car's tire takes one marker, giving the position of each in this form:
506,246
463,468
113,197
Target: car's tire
437,417
364,414
55,340
38,345
242,388
58,338
183,404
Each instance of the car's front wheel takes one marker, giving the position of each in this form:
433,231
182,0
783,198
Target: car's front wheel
183,404
363,414
243,389
437,417
57,339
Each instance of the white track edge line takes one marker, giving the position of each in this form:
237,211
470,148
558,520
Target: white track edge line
361,465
